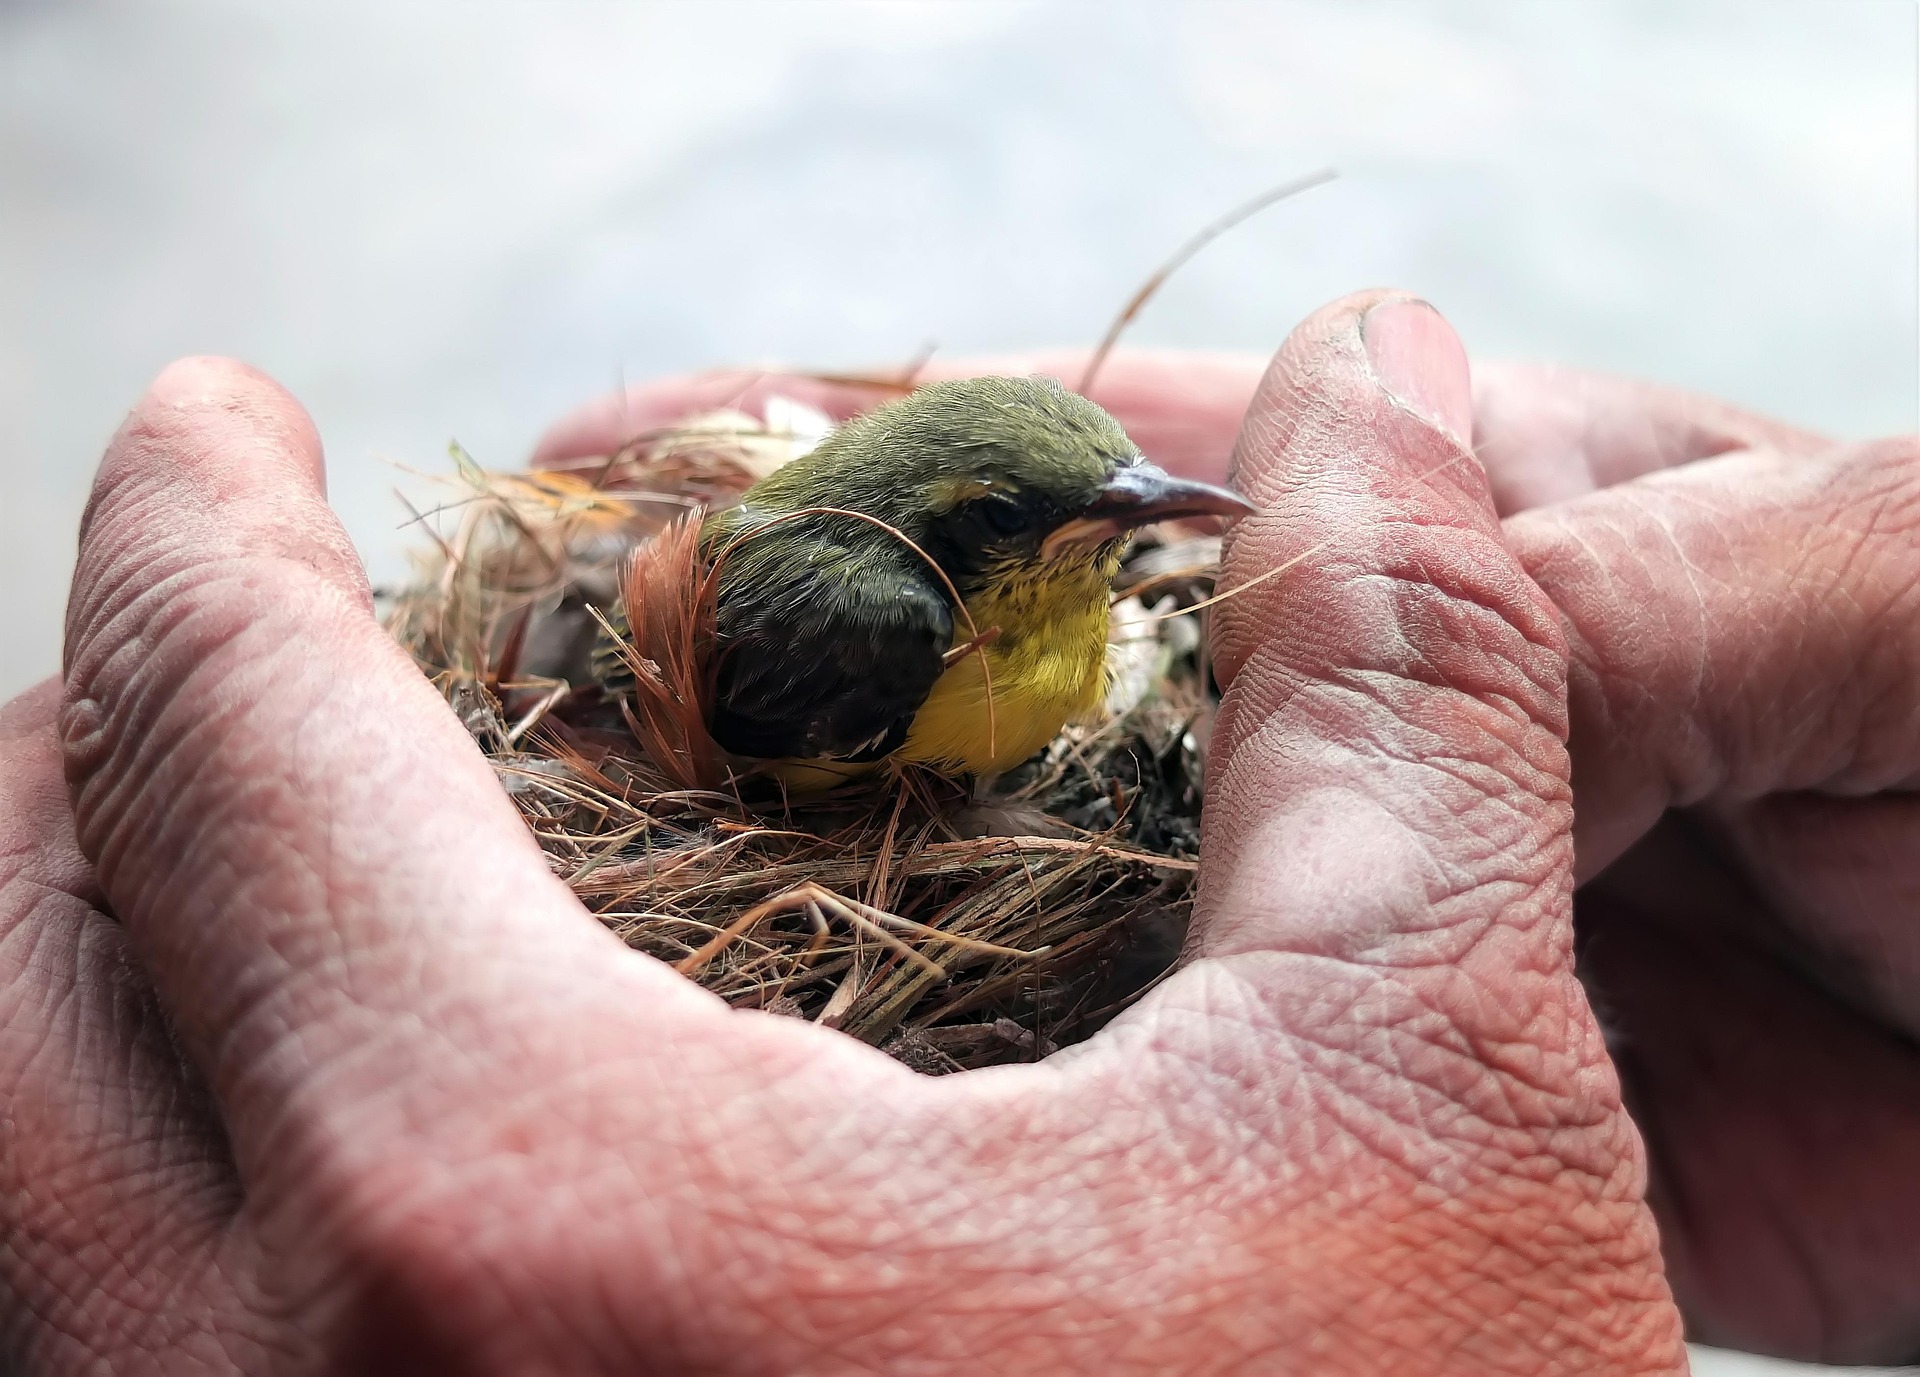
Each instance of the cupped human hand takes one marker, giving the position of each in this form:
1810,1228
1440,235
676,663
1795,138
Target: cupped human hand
1740,598
350,1082
1746,734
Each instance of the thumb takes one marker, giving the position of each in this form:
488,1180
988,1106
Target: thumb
1382,944
1390,746
306,850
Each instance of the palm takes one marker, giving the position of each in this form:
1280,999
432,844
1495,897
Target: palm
1752,955
450,1124
438,1121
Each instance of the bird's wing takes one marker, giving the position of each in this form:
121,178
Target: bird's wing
827,651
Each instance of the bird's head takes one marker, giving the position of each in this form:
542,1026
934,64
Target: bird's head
988,474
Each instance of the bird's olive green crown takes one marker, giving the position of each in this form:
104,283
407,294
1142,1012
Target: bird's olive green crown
976,472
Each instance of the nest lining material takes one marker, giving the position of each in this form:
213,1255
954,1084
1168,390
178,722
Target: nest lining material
952,928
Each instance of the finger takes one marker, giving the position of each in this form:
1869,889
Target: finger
118,1196
1183,409
311,856
1403,673
1380,974
1547,433
1740,626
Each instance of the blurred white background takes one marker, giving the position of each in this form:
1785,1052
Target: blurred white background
436,220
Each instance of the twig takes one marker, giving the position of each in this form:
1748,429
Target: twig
1180,258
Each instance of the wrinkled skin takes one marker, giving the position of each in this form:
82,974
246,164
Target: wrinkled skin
354,1085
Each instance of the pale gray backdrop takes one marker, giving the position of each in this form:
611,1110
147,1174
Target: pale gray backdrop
456,219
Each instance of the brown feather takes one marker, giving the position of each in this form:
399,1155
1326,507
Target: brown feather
668,648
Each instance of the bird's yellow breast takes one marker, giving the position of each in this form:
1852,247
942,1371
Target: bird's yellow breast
1047,667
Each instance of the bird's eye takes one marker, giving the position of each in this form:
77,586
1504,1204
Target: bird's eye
1004,515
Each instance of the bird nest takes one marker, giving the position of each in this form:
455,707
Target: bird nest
951,925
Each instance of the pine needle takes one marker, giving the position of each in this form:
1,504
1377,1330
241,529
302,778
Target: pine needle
1181,256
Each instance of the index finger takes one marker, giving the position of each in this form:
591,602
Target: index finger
1547,433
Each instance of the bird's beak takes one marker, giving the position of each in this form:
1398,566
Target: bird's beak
1139,495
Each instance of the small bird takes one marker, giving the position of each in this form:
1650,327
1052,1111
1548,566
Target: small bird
836,641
